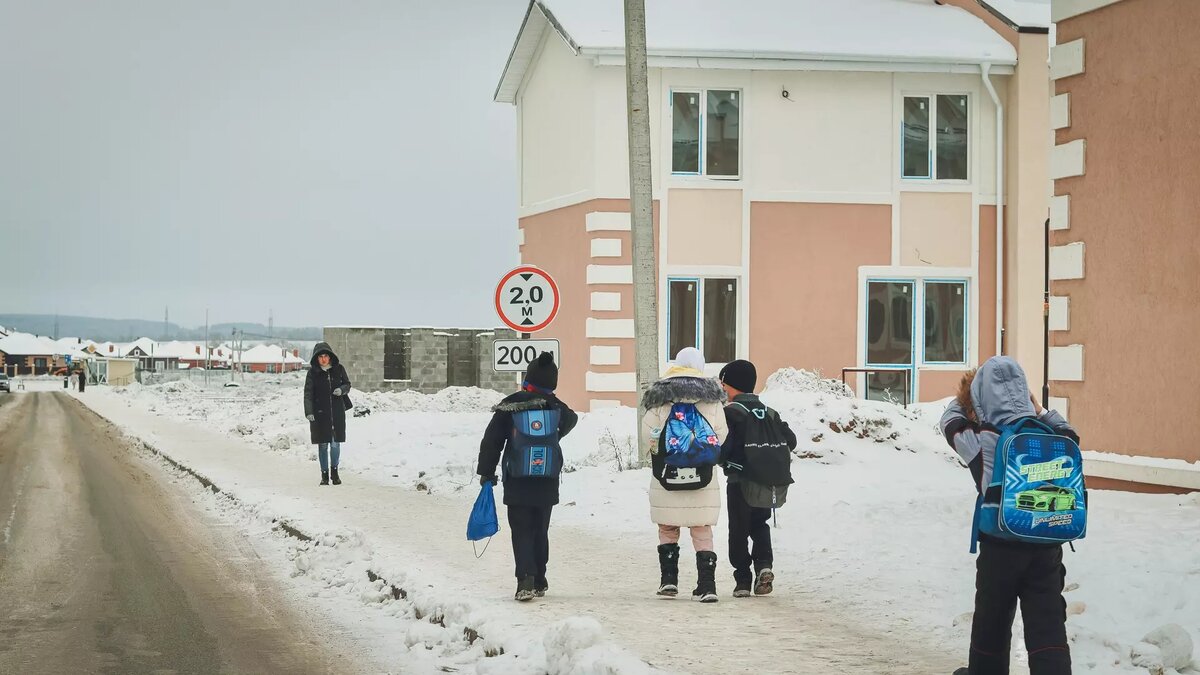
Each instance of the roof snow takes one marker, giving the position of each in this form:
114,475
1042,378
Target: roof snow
1022,13
24,344
269,354
902,31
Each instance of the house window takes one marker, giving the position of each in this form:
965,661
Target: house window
911,324
941,155
702,313
705,132
945,322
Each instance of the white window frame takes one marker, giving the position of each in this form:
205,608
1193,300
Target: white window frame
702,95
931,154
918,277
701,281
966,338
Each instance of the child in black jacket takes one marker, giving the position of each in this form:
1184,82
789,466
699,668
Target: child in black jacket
529,499
746,522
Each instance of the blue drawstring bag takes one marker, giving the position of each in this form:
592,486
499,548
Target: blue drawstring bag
483,523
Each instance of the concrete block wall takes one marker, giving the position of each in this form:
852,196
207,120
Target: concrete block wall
430,351
360,350
488,378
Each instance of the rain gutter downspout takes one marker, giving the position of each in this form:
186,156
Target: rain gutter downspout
984,69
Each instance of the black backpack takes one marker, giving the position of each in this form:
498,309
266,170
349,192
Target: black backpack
767,470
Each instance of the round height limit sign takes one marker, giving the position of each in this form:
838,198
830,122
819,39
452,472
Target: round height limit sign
527,299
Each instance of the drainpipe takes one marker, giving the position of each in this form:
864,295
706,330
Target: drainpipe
984,69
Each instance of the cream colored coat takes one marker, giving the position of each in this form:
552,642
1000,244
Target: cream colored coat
684,508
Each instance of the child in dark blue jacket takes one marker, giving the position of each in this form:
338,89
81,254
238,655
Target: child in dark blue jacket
529,499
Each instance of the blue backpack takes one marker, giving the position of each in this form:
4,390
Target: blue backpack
688,449
1037,493
533,451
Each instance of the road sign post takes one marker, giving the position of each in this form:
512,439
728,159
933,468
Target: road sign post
526,301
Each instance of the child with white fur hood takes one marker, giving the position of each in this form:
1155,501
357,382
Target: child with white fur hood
699,509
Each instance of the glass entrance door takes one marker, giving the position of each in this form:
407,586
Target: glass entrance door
890,339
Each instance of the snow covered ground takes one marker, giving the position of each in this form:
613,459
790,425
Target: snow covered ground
871,549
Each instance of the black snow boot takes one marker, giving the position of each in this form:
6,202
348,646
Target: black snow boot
668,563
962,671
524,589
706,577
540,586
764,581
334,476
324,478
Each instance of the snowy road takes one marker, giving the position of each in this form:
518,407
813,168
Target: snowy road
106,568
602,575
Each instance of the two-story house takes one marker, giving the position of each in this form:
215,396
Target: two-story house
826,182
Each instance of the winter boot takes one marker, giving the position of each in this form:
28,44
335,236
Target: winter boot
524,589
334,476
764,581
324,478
706,577
962,671
668,563
540,586
743,582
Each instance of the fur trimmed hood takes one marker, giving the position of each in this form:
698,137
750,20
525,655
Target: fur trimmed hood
683,388
522,401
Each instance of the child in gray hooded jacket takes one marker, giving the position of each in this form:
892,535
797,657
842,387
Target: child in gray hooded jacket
1007,571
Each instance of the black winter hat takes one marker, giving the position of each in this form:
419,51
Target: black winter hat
543,372
740,375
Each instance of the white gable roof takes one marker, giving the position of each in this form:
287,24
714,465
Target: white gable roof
862,31
147,345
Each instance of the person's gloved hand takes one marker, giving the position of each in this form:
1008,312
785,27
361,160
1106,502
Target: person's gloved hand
312,418
337,392
484,480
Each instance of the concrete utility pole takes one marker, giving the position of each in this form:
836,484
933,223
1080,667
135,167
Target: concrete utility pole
641,199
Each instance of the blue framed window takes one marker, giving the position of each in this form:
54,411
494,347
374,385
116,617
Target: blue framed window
890,337
706,132
703,313
934,137
945,322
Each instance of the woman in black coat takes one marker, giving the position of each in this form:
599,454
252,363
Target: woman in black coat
325,405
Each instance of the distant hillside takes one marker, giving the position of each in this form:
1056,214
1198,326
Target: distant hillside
125,330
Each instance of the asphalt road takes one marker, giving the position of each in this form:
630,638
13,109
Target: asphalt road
107,568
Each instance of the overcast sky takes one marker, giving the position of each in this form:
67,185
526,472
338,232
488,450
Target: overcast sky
337,162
